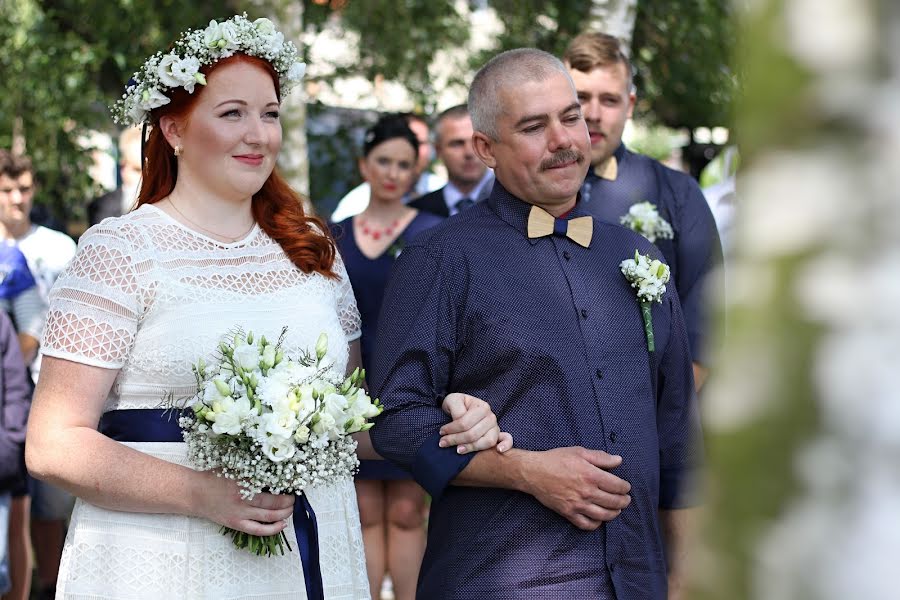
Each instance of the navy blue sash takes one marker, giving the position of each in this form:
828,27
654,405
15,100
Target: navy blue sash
158,425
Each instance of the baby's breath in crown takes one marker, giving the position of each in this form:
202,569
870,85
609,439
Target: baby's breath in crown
197,48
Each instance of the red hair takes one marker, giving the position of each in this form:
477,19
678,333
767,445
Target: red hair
276,207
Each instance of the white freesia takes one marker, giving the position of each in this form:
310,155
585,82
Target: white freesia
644,218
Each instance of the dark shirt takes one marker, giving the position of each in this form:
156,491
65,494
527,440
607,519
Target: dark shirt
694,251
369,276
15,400
551,335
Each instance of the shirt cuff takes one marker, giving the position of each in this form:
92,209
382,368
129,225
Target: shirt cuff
435,467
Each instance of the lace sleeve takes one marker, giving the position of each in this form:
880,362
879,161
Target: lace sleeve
95,304
348,313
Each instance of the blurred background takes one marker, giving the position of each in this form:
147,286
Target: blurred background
65,61
802,413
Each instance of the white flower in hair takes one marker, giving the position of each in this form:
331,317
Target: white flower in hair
296,72
152,98
179,72
150,86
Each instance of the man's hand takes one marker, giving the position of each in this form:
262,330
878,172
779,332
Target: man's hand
474,426
576,483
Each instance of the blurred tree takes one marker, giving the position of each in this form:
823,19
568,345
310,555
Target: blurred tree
63,62
397,40
681,49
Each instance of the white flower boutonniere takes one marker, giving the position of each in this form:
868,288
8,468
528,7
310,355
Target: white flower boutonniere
649,277
645,220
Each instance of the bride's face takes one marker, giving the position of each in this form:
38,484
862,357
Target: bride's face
232,136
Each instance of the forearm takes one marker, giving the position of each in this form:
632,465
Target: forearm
28,345
678,526
700,375
109,474
490,468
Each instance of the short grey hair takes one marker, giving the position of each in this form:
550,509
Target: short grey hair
506,69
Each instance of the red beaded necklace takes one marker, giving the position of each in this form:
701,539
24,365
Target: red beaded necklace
375,233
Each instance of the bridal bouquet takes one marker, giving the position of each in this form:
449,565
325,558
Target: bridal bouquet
274,422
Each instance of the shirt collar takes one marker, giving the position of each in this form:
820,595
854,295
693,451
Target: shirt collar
515,211
610,169
452,195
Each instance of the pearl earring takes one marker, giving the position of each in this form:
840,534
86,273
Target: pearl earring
178,150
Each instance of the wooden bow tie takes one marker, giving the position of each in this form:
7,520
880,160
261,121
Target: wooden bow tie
541,223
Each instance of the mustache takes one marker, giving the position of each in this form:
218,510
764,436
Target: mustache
562,157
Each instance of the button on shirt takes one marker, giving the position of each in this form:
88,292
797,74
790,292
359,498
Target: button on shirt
692,253
551,335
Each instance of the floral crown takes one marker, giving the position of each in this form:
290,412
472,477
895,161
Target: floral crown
180,67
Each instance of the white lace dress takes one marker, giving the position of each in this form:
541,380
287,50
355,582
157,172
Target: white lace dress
148,296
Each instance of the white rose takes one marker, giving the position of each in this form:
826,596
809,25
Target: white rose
185,71
220,36
264,26
213,392
230,415
279,424
296,72
152,98
247,356
325,425
302,434
278,449
336,406
136,114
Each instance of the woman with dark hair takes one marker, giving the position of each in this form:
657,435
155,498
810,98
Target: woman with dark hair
218,240
391,504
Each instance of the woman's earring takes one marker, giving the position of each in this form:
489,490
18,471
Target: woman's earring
178,150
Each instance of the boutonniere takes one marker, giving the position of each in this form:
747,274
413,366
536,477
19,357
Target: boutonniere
644,219
396,248
648,277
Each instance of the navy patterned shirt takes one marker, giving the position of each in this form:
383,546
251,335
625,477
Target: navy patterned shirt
551,335
694,251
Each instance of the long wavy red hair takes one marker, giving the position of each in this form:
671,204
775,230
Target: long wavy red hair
276,206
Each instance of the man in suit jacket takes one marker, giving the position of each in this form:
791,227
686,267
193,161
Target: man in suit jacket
470,179
123,198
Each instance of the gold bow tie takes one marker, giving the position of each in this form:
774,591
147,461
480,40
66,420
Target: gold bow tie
541,223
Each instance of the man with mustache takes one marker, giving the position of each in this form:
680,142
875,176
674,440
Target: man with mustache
520,301
619,178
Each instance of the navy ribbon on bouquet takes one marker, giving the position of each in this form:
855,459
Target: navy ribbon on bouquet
161,425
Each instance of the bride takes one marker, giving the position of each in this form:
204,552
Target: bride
218,240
